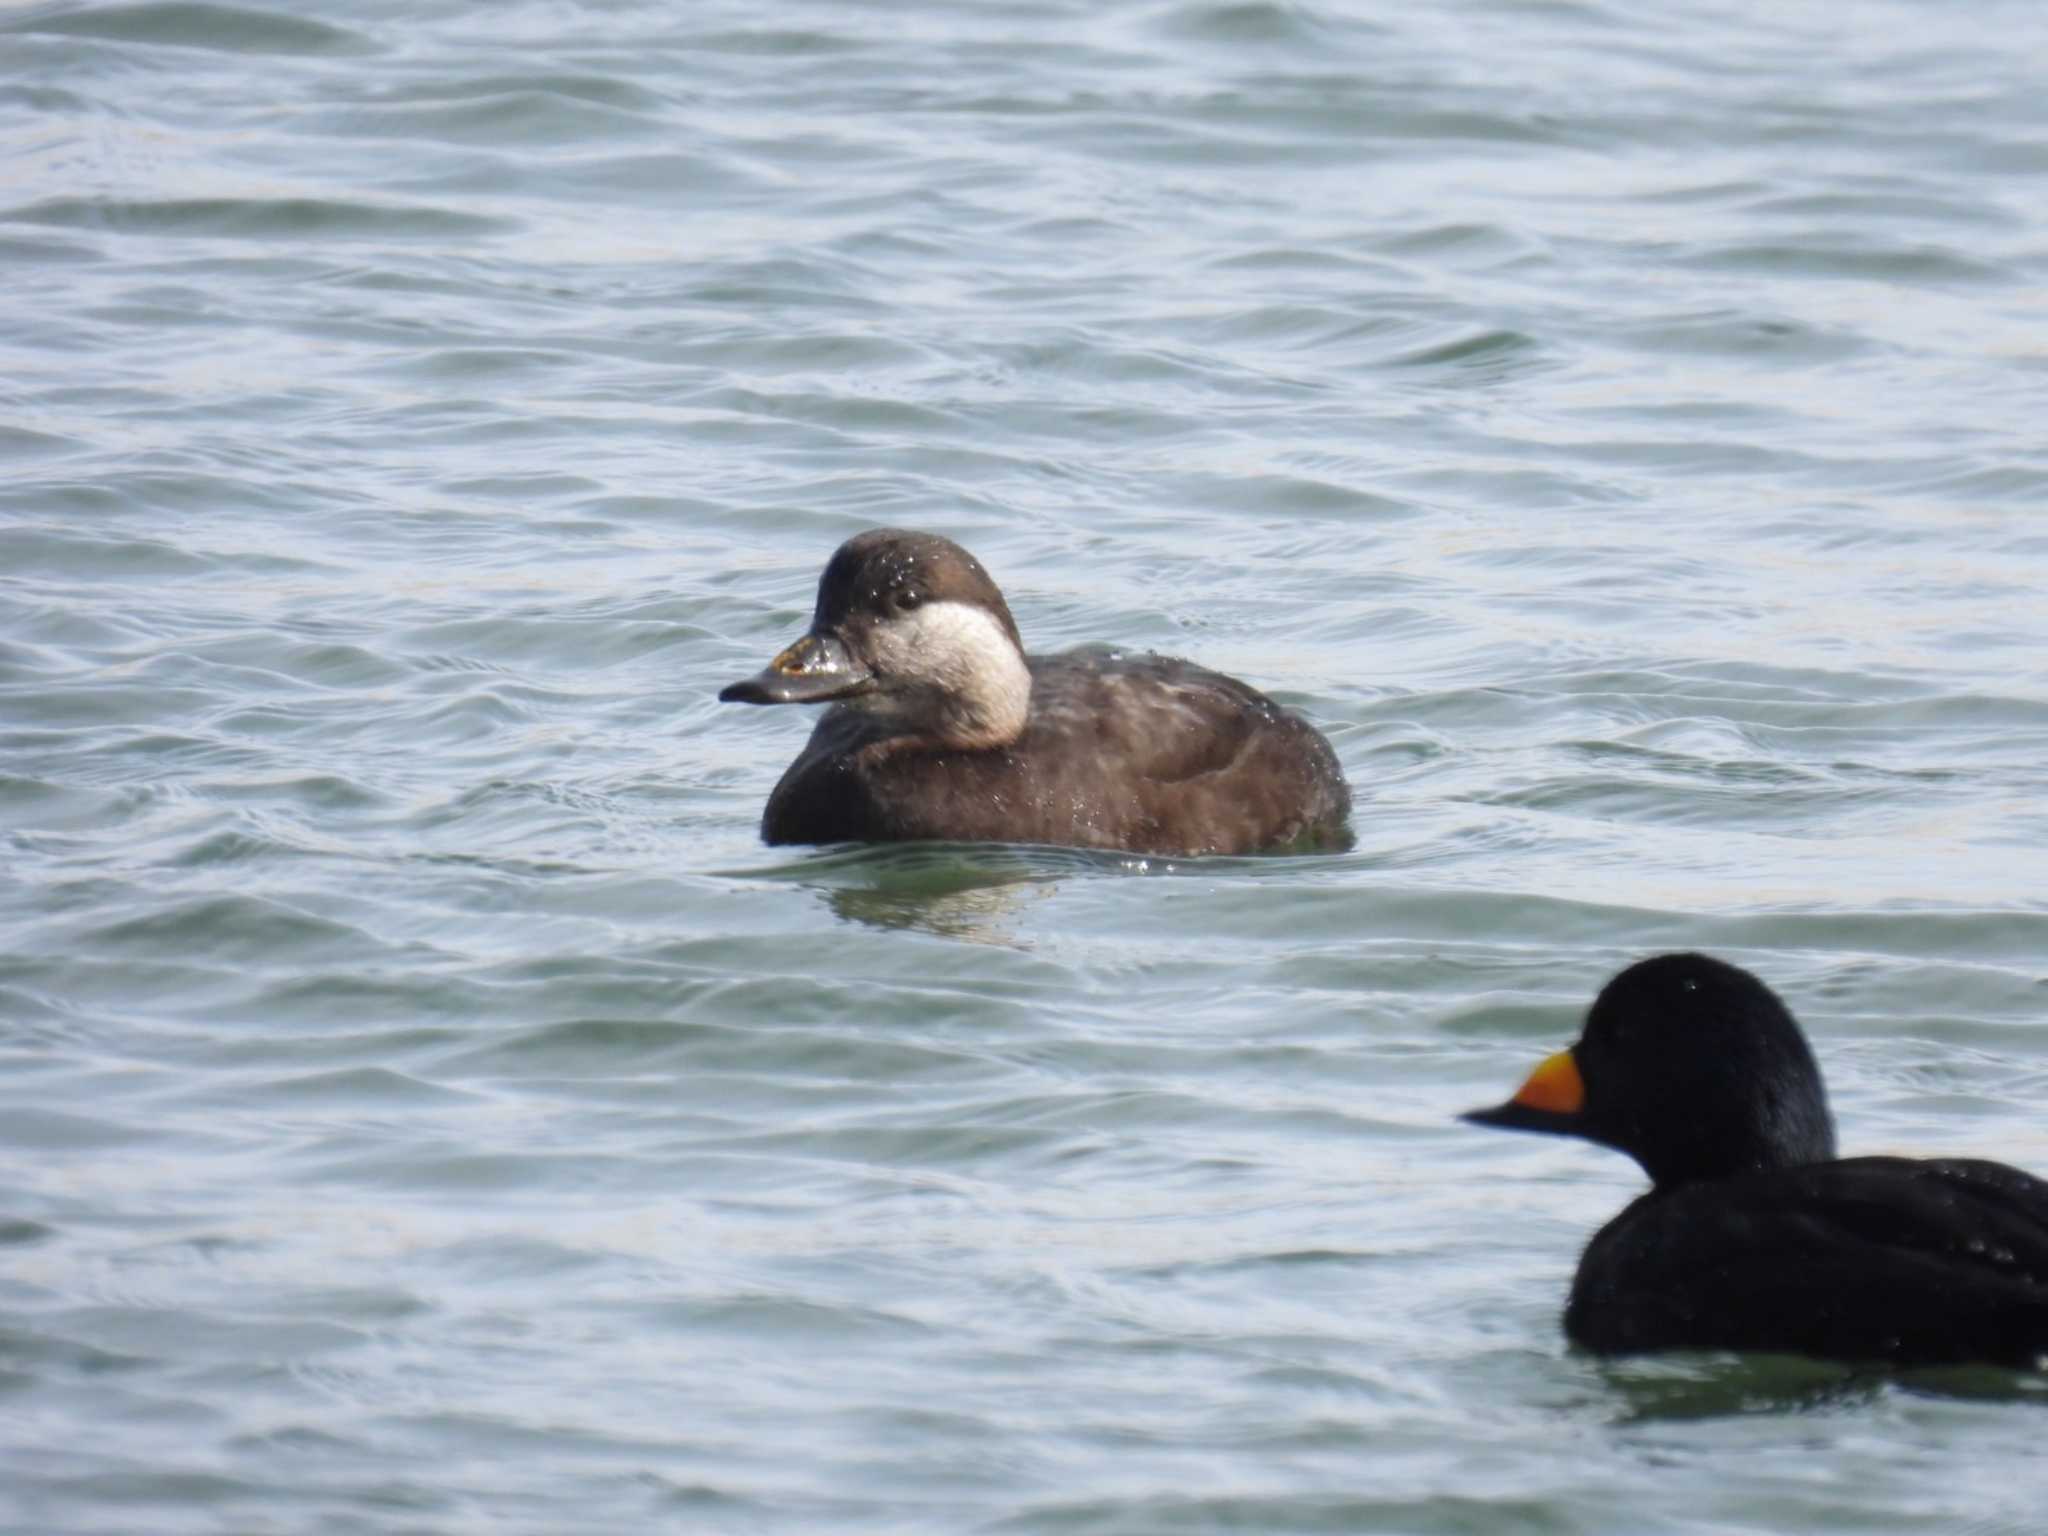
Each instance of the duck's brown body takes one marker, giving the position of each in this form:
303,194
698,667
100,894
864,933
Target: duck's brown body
1147,754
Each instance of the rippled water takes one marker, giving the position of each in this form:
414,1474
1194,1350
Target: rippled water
428,1108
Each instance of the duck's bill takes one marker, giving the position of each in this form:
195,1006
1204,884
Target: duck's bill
815,670
1549,1101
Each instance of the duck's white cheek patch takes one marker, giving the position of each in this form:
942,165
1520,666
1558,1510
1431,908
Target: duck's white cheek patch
955,667
952,645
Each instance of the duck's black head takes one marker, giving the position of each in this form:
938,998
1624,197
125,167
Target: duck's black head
1691,1066
906,623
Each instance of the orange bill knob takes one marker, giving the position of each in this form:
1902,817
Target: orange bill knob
1554,1087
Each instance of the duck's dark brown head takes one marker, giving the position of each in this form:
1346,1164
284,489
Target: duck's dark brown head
906,623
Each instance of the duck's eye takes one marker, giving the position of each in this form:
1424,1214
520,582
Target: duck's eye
906,599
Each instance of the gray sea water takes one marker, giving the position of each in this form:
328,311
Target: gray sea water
426,1107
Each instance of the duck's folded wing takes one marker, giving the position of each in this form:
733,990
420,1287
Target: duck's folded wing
1159,718
1192,758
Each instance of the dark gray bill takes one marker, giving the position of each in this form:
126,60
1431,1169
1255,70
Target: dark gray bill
815,669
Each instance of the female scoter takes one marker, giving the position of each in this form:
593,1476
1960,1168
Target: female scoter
1754,1236
942,728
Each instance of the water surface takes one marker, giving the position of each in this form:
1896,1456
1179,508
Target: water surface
428,1107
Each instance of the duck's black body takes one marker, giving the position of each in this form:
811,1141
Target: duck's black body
1754,1235
946,730
1872,1258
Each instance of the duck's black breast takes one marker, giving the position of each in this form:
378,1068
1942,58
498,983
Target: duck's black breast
1871,1258
1148,754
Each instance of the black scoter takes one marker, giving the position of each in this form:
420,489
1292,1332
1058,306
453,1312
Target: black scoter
942,728
1754,1235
